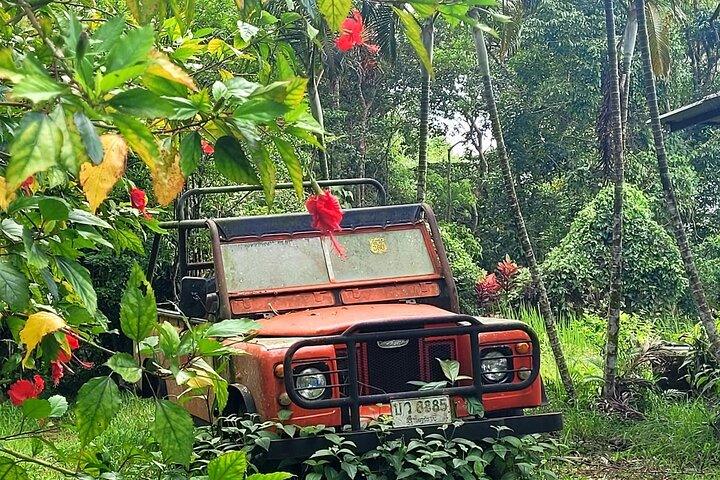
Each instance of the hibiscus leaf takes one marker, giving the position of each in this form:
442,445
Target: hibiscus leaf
334,11
97,403
10,470
79,277
228,465
292,162
231,161
35,148
14,286
59,406
268,172
36,408
190,153
138,311
173,430
125,365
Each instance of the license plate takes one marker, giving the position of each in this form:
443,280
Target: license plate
412,412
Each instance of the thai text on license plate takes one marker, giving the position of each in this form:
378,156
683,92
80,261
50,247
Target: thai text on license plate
412,412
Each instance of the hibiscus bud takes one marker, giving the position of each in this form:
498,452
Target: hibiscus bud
207,147
138,199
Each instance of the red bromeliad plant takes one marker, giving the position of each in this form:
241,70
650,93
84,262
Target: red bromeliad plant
497,286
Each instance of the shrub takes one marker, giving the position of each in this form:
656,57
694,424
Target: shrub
577,271
464,252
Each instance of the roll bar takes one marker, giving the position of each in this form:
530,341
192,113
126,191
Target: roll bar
183,225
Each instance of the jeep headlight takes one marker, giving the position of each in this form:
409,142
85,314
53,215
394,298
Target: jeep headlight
311,383
495,366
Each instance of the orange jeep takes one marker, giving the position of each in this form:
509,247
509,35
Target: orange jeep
344,342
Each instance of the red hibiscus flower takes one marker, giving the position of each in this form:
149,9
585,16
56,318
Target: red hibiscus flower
507,268
353,34
25,185
138,199
24,389
207,147
326,216
58,366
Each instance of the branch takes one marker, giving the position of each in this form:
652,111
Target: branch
37,461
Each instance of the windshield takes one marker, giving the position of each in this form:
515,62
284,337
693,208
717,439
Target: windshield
256,266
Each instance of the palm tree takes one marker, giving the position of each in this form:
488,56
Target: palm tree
706,315
428,39
520,228
616,142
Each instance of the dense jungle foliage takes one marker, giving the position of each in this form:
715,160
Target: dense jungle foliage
109,109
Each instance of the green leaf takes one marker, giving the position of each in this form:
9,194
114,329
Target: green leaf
118,77
107,34
267,170
58,405
173,430
97,403
190,153
334,11
53,209
139,137
34,148
260,110
233,327
292,162
131,48
125,365
450,368
86,218
72,151
14,286
79,278
240,88
89,136
228,466
231,161
138,311
36,85
36,258
270,476
10,470
169,339
141,103
413,32
36,408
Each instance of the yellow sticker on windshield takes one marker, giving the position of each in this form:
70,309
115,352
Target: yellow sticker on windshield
378,245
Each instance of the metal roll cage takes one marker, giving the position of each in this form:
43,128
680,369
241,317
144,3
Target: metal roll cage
460,325
183,224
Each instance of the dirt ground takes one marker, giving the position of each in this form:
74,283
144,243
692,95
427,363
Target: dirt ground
603,467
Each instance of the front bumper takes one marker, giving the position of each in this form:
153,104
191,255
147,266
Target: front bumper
367,440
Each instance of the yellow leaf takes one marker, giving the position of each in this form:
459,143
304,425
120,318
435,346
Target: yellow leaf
162,66
215,45
167,177
37,326
98,180
225,74
5,196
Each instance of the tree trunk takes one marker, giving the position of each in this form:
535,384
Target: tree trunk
616,142
428,37
520,228
628,51
706,315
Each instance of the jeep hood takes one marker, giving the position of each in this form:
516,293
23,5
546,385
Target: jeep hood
335,320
